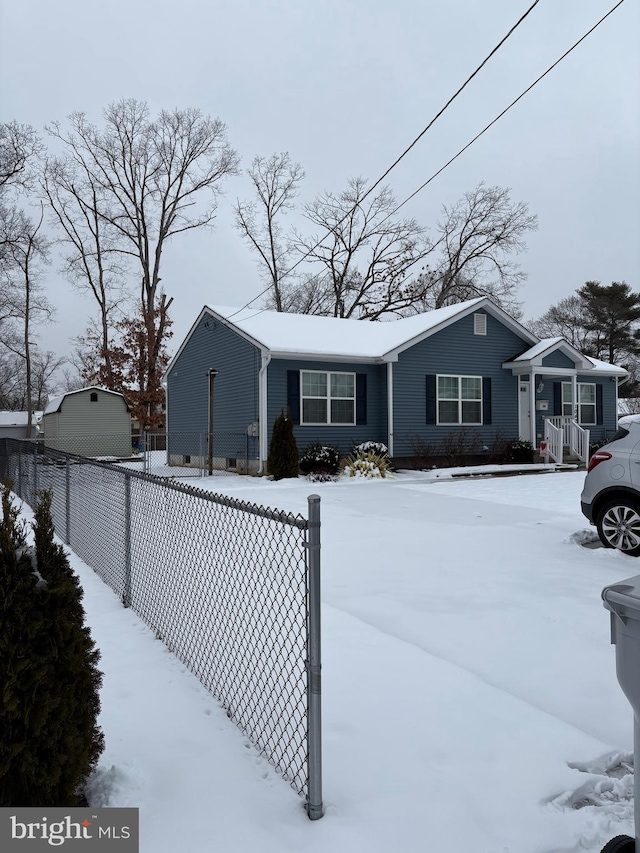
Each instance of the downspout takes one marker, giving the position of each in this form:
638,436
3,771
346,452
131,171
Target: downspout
533,421
262,412
390,407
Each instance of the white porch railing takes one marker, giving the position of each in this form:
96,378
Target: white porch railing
579,442
571,435
553,437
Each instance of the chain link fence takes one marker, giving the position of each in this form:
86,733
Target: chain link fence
232,588
173,454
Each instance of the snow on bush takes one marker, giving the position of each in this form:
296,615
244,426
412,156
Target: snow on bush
367,464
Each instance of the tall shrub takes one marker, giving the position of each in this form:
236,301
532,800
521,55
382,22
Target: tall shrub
48,669
283,460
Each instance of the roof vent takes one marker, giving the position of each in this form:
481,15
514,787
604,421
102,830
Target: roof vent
479,324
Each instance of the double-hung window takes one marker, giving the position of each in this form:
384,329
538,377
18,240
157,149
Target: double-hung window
327,397
459,399
586,402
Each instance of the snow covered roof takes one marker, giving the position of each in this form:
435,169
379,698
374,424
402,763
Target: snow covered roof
605,367
534,355
17,419
303,335
55,402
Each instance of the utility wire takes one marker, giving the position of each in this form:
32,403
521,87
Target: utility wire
460,152
409,147
506,110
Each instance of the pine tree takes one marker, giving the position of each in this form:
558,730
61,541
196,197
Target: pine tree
48,660
611,315
283,460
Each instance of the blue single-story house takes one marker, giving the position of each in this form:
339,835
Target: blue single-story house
402,382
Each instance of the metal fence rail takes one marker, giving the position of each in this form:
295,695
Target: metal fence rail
232,589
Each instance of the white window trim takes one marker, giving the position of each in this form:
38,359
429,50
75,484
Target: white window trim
328,398
460,422
579,405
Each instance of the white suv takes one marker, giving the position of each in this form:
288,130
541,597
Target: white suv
611,495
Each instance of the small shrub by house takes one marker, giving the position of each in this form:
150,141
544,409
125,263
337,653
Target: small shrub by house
283,460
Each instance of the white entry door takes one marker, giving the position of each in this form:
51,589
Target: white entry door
524,411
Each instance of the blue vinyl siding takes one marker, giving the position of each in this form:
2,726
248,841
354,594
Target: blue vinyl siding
558,359
337,435
213,345
456,351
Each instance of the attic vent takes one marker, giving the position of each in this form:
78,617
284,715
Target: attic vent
93,397
479,324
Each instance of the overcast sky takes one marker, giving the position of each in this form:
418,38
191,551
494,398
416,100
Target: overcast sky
344,86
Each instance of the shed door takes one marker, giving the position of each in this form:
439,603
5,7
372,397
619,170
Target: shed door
524,411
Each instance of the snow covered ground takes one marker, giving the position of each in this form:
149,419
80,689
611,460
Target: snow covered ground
470,701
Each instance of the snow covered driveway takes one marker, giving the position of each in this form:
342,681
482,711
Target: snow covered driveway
466,666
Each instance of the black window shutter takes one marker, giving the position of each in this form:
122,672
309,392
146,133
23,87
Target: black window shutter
431,399
293,394
599,405
557,398
486,400
361,398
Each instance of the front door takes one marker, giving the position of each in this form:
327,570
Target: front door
524,411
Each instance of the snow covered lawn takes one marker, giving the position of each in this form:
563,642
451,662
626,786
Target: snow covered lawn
469,689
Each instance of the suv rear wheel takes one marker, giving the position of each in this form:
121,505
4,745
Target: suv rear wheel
618,525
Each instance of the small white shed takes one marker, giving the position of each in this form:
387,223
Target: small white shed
90,422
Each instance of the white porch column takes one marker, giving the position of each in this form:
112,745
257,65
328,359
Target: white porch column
574,396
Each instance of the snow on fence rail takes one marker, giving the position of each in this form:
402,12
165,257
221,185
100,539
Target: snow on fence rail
232,588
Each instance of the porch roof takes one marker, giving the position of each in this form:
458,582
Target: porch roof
531,360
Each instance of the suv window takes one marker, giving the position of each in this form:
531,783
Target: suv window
621,432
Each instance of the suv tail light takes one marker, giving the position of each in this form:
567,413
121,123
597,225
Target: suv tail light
598,457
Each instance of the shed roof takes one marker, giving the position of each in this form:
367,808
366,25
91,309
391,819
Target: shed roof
55,402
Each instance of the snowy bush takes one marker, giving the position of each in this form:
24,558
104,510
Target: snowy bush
517,452
376,447
320,459
367,464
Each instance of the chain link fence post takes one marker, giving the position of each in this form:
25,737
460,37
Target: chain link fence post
315,808
20,471
126,595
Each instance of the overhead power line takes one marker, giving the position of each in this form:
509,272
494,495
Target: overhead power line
506,109
464,148
409,147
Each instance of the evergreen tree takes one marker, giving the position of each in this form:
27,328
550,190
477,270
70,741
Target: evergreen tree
611,315
50,700
283,460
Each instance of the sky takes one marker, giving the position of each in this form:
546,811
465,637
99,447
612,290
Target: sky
344,86
469,692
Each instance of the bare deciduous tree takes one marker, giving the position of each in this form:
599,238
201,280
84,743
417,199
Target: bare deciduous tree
150,179
566,320
93,263
276,180
478,239
26,304
366,257
20,145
